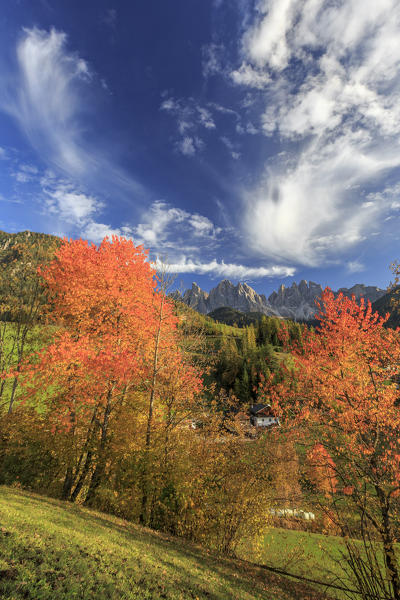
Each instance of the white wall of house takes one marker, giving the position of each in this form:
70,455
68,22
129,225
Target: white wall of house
266,421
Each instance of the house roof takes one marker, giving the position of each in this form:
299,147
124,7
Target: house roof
256,408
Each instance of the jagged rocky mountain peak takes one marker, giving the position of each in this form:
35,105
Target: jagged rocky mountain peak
303,286
296,301
240,297
359,290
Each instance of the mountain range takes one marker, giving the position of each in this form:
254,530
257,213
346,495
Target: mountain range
296,302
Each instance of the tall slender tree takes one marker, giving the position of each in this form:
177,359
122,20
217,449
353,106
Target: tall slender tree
102,300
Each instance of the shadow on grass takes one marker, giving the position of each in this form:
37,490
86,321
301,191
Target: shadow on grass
166,553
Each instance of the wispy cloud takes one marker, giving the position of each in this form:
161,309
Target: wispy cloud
185,239
25,173
231,147
355,266
76,211
330,75
110,18
47,103
191,120
234,271
249,76
50,95
212,59
189,145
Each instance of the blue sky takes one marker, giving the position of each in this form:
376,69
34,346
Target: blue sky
255,140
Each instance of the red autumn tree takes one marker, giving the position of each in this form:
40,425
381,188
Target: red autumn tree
102,300
342,394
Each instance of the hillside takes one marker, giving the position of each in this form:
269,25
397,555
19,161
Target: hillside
230,316
29,238
51,549
384,305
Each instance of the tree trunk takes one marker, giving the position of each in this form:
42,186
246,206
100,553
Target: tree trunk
68,481
392,570
99,469
88,460
82,476
12,397
143,518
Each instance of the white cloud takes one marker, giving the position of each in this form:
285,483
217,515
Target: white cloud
266,42
166,228
67,203
96,232
223,109
234,271
72,206
302,213
25,173
186,146
251,129
169,105
247,75
3,154
206,118
191,118
332,73
355,266
46,102
48,96
22,177
29,169
212,59
76,210
202,226
231,147
388,199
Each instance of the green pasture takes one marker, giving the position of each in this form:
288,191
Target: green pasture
54,550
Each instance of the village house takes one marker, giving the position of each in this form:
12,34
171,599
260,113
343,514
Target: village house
262,415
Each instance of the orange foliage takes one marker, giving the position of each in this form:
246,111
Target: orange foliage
343,390
116,342
103,297
322,472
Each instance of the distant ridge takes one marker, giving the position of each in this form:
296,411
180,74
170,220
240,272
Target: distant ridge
384,305
296,302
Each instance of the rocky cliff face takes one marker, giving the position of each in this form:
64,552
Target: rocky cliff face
196,298
295,302
240,297
368,292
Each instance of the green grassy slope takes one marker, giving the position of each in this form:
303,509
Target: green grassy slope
53,550
310,555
